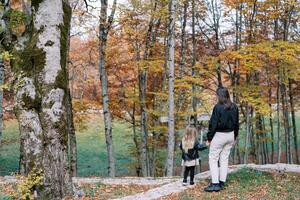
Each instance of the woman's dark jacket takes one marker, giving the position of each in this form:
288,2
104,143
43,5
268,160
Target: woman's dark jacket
224,119
192,154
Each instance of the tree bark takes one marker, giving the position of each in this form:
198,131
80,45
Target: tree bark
183,39
104,28
286,124
1,96
194,98
72,137
295,133
278,121
170,65
247,134
41,97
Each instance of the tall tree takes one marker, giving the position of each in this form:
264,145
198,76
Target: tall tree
170,65
40,59
104,28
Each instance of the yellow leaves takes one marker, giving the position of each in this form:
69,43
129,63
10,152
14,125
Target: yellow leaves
27,184
81,116
154,66
6,56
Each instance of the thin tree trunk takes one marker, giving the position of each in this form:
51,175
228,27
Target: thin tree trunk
72,137
266,149
295,137
142,95
135,140
1,97
194,98
70,120
286,123
183,39
271,122
247,134
278,121
170,65
104,28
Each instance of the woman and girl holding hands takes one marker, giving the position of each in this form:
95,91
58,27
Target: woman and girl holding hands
221,137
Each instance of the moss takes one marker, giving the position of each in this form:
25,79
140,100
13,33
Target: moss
30,103
62,77
31,60
16,18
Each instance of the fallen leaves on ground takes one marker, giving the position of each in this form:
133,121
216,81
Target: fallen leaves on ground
104,192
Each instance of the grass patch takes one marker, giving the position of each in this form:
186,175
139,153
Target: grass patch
92,158
248,184
9,150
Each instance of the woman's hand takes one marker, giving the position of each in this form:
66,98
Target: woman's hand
207,143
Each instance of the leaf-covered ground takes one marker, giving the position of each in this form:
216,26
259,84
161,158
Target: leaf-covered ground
248,185
97,191
104,192
243,185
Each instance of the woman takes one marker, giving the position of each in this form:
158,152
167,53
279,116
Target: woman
223,131
190,158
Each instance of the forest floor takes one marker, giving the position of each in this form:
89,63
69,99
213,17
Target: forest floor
257,182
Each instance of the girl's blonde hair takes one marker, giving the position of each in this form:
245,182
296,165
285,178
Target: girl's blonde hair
189,138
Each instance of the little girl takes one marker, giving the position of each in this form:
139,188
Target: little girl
190,157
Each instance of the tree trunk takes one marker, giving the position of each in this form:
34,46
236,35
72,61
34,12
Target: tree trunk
104,28
142,97
135,140
194,98
247,134
170,65
71,128
41,97
72,137
278,121
183,39
295,137
271,123
286,124
1,96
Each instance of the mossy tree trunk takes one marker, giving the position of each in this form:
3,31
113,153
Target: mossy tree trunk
41,96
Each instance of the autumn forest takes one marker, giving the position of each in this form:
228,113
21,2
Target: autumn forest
132,75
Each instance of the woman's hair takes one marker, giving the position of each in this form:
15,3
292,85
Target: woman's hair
189,138
224,97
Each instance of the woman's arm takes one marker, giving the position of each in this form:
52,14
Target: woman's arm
199,147
213,122
236,123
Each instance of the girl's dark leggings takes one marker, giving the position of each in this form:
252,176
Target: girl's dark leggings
187,171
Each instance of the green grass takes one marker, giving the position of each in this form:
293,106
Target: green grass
92,158
249,184
9,150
